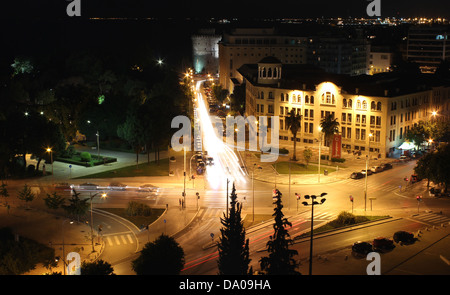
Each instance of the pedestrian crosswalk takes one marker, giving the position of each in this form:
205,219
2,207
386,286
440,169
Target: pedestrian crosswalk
372,186
431,218
205,213
324,216
118,239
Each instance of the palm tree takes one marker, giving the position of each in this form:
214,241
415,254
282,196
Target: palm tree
330,126
294,123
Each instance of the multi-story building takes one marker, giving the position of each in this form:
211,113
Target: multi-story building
385,106
244,46
428,46
380,60
339,55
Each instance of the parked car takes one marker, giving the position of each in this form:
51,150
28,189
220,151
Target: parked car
376,169
356,175
386,166
362,248
369,172
404,158
383,244
404,236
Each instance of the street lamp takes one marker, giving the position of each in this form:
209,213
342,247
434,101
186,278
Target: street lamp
92,233
367,172
98,145
313,202
63,244
49,150
253,188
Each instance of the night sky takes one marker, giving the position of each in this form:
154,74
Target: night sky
43,9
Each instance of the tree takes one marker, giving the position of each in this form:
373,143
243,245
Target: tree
307,154
233,247
294,122
280,260
26,194
164,256
330,126
54,201
426,166
98,267
77,206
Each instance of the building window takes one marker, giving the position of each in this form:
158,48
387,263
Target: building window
358,104
328,98
358,133
364,105
373,106
281,110
358,118
349,132
282,96
350,103
262,95
306,99
311,100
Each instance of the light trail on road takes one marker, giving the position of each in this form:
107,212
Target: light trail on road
226,163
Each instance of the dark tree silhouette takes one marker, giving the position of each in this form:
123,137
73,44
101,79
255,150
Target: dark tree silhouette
280,260
233,247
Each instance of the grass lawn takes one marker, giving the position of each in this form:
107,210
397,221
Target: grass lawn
298,168
335,224
137,220
143,169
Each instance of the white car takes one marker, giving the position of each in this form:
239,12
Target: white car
376,169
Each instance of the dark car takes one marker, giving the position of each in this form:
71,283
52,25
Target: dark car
383,244
404,237
386,166
356,175
369,172
362,248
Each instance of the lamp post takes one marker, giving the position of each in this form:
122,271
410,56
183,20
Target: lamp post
98,145
253,188
313,202
92,231
49,150
64,252
367,173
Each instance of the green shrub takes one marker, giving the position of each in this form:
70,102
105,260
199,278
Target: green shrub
137,209
341,160
85,157
346,218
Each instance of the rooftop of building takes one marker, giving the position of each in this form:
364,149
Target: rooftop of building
307,77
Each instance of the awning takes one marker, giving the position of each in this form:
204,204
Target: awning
407,146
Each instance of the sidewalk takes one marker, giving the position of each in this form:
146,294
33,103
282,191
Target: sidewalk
265,171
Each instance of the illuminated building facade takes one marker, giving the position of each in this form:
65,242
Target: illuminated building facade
205,49
380,60
383,105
